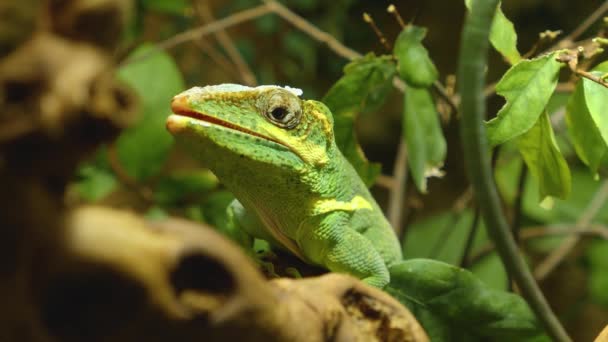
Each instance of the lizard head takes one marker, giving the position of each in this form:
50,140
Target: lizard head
265,124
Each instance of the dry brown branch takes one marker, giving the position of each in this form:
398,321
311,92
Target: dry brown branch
571,60
568,41
561,252
217,58
199,32
396,209
226,42
535,232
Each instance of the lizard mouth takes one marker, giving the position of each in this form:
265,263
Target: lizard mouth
179,107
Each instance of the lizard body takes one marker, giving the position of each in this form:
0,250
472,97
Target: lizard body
276,152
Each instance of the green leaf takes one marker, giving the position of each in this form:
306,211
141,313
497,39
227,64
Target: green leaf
598,271
584,133
415,65
502,35
544,159
143,148
595,99
93,183
527,87
568,210
423,135
180,185
443,236
363,88
175,7
467,308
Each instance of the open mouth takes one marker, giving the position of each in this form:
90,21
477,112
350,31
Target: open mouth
178,106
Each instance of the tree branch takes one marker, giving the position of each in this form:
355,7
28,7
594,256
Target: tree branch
472,61
558,255
201,31
568,40
226,42
396,208
535,232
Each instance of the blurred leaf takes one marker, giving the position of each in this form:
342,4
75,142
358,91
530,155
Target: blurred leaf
246,49
598,271
267,24
94,183
415,65
587,122
423,135
585,136
364,87
568,210
465,306
214,209
182,184
156,213
143,148
544,159
557,101
302,49
527,86
595,98
443,237
175,7
502,35
491,271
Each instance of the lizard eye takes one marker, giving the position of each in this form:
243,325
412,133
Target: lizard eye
279,113
283,109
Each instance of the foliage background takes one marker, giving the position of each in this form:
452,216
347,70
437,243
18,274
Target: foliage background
143,171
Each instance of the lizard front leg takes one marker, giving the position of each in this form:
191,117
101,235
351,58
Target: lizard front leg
327,240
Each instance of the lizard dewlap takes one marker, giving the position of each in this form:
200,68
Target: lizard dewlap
277,154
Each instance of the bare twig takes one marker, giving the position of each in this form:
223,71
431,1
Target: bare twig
144,192
217,57
386,181
518,202
568,40
393,10
571,59
397,192
535,232
226,42
204,30
339,48
314,32
464,261
558,255
456,214
370,21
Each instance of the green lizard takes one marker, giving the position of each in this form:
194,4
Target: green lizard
277,154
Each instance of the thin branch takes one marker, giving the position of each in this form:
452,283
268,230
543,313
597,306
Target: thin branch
339,48
145,193
519,201
577,32
464,261
201,31
226,42
456,214
472,63
370,21
571,59
396,208
314,32
386,181
561,252
536,232
217,57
